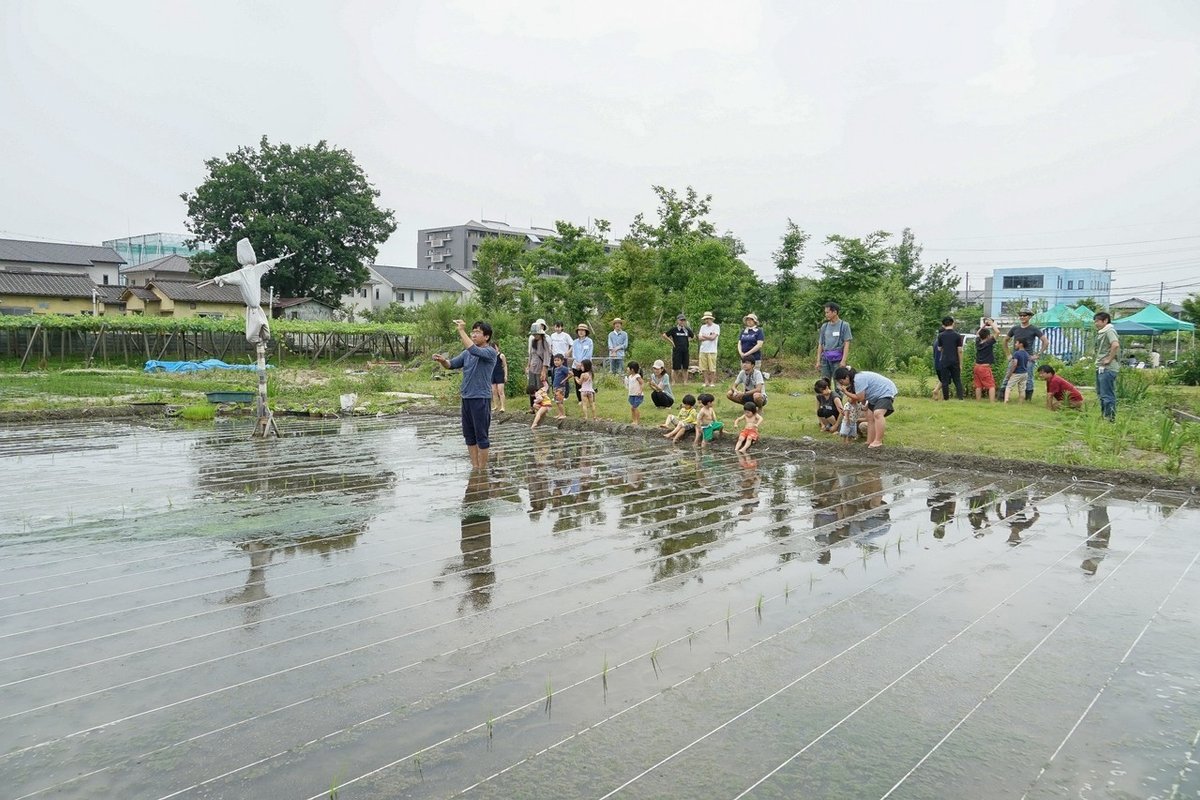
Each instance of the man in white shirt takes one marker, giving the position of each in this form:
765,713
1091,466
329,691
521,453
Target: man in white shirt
560,343
710,332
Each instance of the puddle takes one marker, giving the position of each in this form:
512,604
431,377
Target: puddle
190,613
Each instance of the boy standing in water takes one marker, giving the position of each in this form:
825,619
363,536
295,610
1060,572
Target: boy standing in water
476,361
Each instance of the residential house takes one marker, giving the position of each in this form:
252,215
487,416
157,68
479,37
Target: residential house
302,308
169,268
100,264
163,298
24,293
1126,308
408,286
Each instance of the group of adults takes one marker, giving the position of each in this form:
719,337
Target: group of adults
544,345
1023,346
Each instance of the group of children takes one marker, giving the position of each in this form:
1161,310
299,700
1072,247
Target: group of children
837,415
553,391
702,423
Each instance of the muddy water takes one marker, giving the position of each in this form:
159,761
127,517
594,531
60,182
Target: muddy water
185,612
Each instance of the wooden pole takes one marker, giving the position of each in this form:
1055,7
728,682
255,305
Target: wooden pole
264,423
32,339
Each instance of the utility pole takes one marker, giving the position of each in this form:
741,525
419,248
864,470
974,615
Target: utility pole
1161,285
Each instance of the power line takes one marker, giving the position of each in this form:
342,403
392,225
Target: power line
1060,247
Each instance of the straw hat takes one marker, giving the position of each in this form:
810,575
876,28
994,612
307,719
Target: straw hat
706,315
536,330
752,316
618,319
659,364
583,326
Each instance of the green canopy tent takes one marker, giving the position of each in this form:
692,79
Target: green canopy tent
1066,329
1162,322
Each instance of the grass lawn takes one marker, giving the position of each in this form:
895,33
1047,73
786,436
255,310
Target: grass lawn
1145,436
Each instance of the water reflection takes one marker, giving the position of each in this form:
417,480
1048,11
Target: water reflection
1020,517
1099,530
475,542
263,552
978,504
943,505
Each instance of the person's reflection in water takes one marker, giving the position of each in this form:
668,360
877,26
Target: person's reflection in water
943,505
256,582
977,510
750,483
1099,529
476,543
1018,517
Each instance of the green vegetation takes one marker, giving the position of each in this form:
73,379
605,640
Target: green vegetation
169,325
198,413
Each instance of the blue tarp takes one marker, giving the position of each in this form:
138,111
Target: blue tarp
196,366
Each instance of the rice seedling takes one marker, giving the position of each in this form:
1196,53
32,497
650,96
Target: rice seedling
604,678
691,636
811,580
417,765
1166,432
758,607
898,540
654,658
728,616
491,726
549,696
787,591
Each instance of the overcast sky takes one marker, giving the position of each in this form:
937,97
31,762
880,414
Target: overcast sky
988,128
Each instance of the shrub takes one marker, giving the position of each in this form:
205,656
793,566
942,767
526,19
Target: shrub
1132,385
1187,369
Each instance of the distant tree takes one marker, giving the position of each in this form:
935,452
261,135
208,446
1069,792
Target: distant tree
1092,303
500,260
678,217
312,201
572,270
1191,308
787,259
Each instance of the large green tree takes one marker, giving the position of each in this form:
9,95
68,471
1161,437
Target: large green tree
312,201
500,261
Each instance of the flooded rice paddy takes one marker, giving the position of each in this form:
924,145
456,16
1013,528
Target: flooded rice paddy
350,612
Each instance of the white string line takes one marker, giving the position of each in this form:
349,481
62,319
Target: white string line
627,662
390,672
279,672
275,597
805,675
946,644
461,648
232,587
677,640
787,629
1111,675
715,665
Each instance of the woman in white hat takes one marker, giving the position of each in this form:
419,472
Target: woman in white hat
660,386
709,333
750,340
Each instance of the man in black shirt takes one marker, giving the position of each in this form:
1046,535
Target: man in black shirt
950,353
680,338
1028,334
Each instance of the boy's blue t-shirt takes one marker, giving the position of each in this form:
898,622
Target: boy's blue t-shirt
1022,359
560,377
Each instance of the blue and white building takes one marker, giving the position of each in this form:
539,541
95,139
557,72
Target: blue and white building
1039,288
